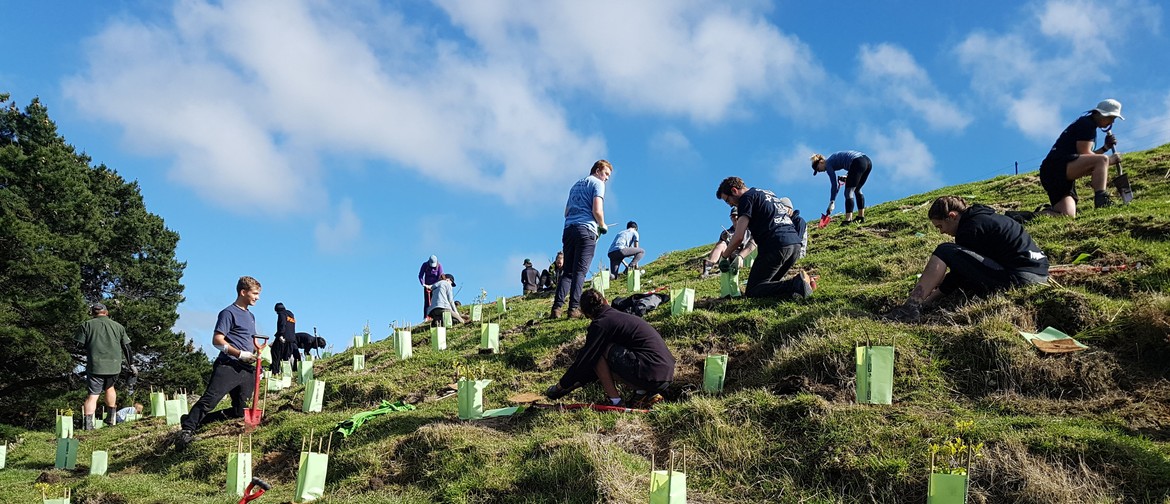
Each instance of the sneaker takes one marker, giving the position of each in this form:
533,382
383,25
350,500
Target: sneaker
643,401
184,439
1020,216
576,313
860,220
555,313
847,222
907,312
1101,200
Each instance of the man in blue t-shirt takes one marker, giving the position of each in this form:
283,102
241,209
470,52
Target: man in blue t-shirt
772,227
234,370
584,223
1073,157
626,244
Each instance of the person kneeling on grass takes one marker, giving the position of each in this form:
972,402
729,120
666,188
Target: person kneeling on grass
618,346
991,252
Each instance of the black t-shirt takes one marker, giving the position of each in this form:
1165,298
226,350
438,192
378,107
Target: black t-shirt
631,332
1065,149
769,220
1000,239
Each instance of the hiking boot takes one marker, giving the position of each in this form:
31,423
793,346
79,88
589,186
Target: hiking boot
643,401
1101,200
184,439
555,313
907,312
575,313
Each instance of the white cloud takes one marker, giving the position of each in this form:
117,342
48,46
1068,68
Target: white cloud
1013,72
899,157
904,85
673,146
1150,129
339,236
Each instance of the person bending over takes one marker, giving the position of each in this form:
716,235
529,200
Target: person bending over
618,347
991,252
856,166
771,224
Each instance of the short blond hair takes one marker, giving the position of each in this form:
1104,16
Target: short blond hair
247,283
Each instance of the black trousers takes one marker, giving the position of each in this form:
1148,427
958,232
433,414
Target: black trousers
858,173
228,377
975,274
770,266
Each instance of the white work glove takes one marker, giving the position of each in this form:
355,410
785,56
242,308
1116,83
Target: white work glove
832,205
247,357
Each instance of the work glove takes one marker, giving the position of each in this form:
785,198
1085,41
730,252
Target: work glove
601,229
133,370
247,357
555,392
1110,141
832,206
724,265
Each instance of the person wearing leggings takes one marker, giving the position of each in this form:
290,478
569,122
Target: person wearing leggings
856,166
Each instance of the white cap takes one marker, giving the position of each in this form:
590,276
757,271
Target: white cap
1110,108
434,261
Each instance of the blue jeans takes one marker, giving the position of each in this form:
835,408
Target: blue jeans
579,243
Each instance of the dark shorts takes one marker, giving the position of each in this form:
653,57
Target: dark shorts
626,365
99,383
1054,179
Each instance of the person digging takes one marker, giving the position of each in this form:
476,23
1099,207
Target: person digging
619,347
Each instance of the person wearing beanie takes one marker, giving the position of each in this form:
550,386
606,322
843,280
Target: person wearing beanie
442,300
107,349
283,342
857,167
1074,156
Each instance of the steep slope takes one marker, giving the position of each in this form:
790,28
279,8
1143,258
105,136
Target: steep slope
1085,427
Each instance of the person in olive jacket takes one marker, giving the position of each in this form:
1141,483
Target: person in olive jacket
618,346
991,252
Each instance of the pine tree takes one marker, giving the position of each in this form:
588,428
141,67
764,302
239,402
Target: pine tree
72,234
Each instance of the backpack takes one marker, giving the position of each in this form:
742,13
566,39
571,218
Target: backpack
639,304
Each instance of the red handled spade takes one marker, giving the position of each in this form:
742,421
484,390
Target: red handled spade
253,415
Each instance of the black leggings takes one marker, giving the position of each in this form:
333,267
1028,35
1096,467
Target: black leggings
858,174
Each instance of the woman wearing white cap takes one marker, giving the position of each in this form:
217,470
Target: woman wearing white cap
1073,157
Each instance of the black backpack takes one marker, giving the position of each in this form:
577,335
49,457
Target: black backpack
639,304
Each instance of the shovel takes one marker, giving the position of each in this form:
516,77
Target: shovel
253,415
824,221
1121,182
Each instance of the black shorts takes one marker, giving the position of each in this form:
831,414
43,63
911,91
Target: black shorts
1054,179
99,383
627,365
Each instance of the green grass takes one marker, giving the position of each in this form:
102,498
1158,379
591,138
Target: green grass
1088,427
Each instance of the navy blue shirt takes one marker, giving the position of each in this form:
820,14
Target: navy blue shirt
238,326
839,161
1084,129
769,221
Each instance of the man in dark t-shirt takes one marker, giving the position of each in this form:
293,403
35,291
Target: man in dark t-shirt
234,370
1073,156
770,221
618,345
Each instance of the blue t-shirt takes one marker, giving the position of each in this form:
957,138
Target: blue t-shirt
769,220
238,326
1084,129
624,239
441,296
838,161
579,208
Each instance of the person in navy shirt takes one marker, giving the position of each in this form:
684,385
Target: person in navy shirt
584,223
1073,157
771,224
234,371
856,166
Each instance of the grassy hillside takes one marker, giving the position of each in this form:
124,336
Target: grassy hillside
1087,427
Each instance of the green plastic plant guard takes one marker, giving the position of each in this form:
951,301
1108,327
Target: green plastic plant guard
729,284
875,374
682,301
308,357
471,398
326,355
439,338
59,500
476,312
99,463
66,453
598,284
501,305
314,396
358,342
489,337
174,411
64,427
3,455
947,489
750,259
286,368
239,472
183,406
274,383
266,355
501,412
366,339
403,345
305,372
668,487
633,281
604,277
447,319
311,476
158,404
359,362
714,372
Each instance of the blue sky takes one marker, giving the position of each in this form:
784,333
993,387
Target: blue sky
327,148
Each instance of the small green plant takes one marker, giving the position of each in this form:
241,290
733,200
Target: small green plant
50,490
469,372
954,456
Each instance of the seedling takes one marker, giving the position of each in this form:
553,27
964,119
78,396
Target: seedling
951,463
48,489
